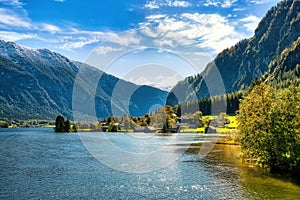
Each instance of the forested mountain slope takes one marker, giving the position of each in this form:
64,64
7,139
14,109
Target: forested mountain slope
248,59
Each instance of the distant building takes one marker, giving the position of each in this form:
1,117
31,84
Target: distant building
210,130
139,129
150,129
104,128
185,120
120,126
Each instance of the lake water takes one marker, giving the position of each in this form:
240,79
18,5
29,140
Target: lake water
39,164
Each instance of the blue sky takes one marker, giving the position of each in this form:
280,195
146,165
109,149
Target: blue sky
74,27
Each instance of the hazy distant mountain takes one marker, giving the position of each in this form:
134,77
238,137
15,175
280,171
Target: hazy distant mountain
39,84
250,58
166,88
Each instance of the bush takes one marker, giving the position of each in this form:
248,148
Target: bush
269,128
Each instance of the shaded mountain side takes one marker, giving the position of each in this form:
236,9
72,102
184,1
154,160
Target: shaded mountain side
38,84
248,59
21,95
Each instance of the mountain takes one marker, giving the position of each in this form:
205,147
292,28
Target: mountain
285,69
251,58
39,84
159,85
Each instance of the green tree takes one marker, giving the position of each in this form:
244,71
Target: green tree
147,119
285,128
113,127
67,126
254,123
126,121
269,127
223,118
109,120
197,119
59,124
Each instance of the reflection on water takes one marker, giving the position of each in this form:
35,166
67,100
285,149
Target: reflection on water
255,183
39,164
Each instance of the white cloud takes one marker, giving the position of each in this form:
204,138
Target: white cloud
171,24
80,42
211,31
68,38
102,50
250,23
75,39
228,3
127,38
11,20
261,1
60,1
179,3
211,3
15,3
153,17
239,9
17,18
156,4
222,3
8,18
50,28
14,36
152,5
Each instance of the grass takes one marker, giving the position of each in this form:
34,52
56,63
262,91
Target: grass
229,128
226,130
48,126
193,130
233,122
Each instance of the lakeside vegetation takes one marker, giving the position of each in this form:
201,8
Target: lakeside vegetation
269,128
267,125
164,120
29,123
